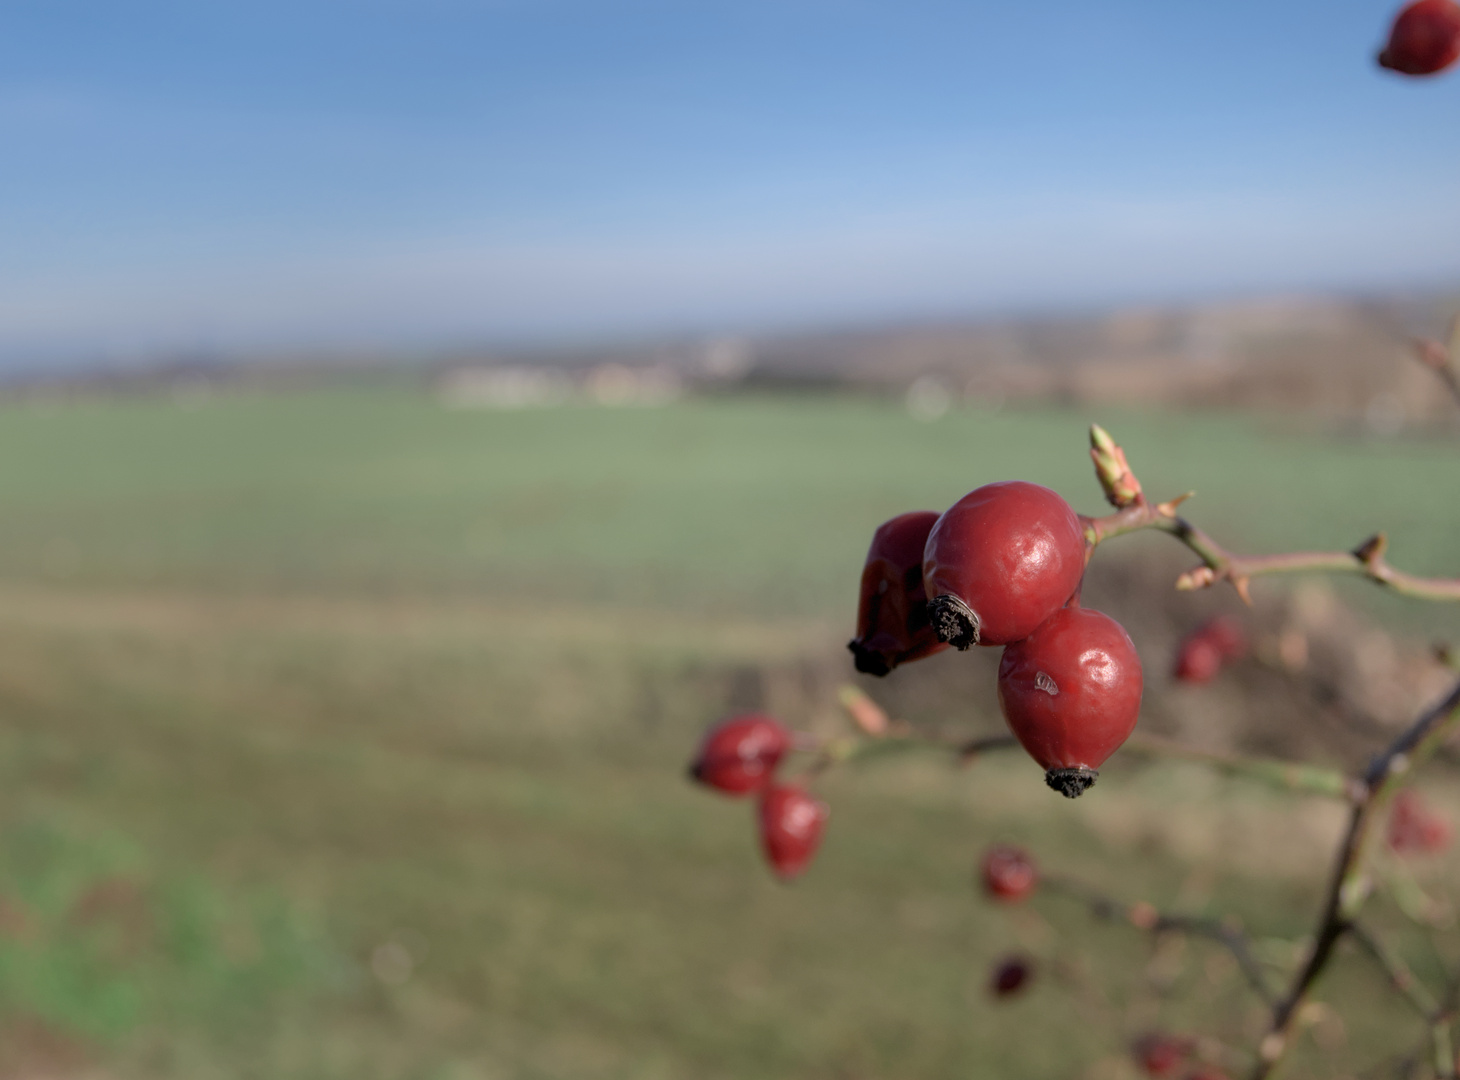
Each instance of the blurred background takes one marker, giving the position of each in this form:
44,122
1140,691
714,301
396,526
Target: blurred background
420,420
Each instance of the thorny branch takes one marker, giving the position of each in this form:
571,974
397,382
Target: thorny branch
1350,883
1134,513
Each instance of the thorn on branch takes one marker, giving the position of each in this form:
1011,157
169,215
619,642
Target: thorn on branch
1371,551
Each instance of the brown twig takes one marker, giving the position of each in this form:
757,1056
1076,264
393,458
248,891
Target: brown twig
1134,513
1350,884
1145,917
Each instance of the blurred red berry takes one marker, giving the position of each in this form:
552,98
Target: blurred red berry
1425,38
1202,652
1009,873
1071,693
740,755
1000,561
1198,660
1415,828
1159,1054
791,824
1010,976
892,611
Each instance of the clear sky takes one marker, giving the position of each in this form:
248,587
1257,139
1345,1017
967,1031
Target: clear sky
219,175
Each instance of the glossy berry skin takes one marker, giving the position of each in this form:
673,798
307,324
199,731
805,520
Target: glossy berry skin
1009,873
892,611
740,755
1414,828
1071,693
1425,38
1000,561
791,825
1010,976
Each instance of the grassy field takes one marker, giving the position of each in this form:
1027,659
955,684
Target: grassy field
342,735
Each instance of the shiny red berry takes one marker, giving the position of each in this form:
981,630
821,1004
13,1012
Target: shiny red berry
1162,1055
1425,38
1009,873
1414,828
740,755
999,562
1010,976
1071,693
892,612
791,824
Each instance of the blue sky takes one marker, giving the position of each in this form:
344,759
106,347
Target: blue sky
419,174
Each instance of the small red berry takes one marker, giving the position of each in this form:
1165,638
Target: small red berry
740,755
1010,976
791,824
1009,873
1071,693
1000,561
1414,827
1425,38
1203,651
1162,1055
892,613
1198,660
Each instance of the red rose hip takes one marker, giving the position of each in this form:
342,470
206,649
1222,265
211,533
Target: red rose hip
1009,873
892,612
1071,693
791,824
999,562
740,755
1425,38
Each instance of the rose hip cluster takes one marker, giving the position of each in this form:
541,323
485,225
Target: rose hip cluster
739,757
1003,566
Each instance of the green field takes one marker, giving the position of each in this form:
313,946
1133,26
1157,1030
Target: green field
342,735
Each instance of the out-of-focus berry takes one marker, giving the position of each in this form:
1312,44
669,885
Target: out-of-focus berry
1425,38
1159,1054
1010,976
1414,828
791,824
1009,873
740,755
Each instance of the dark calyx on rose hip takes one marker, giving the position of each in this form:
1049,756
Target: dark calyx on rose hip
739,755
1425,39
791,824
892,611
999,562
1071,693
